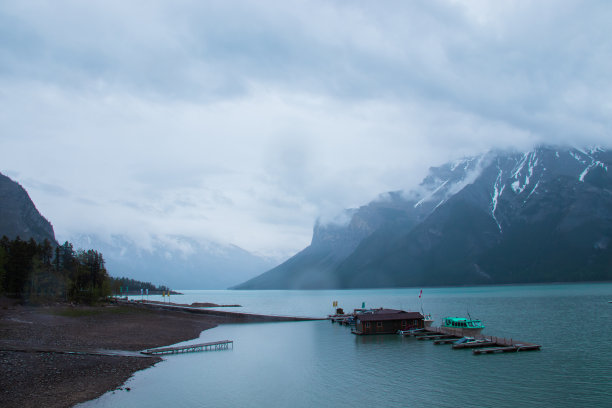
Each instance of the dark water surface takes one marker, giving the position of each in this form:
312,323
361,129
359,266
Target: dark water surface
311,364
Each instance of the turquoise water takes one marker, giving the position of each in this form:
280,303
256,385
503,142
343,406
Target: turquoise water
311,364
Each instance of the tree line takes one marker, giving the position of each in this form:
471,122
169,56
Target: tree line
38,272
121,285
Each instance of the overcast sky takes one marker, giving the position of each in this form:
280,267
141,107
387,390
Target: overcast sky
243,121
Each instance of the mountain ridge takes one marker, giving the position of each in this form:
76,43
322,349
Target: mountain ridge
466,217
19,217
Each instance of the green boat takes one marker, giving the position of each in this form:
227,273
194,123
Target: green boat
463,325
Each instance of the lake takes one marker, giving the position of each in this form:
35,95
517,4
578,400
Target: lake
316,363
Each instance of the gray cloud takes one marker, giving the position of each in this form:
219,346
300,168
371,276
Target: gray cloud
245,121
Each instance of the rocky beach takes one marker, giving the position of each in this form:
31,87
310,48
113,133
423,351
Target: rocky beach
60,355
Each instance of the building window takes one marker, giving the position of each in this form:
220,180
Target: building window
379,324
367,325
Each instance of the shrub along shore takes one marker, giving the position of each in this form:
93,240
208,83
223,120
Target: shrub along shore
41,373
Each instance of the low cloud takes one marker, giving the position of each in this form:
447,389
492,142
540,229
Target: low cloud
245,122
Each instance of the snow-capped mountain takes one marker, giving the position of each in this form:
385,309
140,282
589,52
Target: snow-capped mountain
175,261
502,217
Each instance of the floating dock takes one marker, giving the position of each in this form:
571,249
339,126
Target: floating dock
486,345
191,348
445,341
508,349
436,337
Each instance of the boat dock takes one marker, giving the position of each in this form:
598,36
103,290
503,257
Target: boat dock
481,345
508,349
190,348
436,337
461,333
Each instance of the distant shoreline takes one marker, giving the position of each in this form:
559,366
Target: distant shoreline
196,304
36,345
472,285
151,293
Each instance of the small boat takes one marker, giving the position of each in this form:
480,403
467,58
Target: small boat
470,340
410,332
462,325
349,321
338,318
428,321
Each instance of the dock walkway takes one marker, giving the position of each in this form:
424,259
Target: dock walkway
190,348
489,345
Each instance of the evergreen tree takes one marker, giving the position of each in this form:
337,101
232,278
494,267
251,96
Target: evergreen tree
3,259
38,272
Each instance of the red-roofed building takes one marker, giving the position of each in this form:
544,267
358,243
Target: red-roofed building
387,321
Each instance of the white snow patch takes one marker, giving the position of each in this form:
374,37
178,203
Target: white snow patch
520,166
453,188
440,203
498,190
577,157
595,149
463,162
430,195
590,167
531,160
532,191
457,163
581,151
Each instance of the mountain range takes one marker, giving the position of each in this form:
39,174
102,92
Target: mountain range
178,262
502,217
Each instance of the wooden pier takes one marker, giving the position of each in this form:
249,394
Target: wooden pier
507,349
191,348
487,345
436,337
445,341
474,345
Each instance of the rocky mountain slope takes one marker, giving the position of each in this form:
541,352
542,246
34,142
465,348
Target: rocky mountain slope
19,216
503,217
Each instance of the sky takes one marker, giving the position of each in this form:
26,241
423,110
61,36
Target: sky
244,122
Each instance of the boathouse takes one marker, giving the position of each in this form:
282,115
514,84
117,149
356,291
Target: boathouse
387,321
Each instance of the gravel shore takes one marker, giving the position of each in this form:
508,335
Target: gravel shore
42,374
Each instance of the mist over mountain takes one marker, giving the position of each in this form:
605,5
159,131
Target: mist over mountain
178,262
19,216
502,217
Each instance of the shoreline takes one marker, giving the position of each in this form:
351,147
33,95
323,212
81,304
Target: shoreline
59,356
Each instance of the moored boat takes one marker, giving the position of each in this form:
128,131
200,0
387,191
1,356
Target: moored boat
428,321
462,325
470,340
410,332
